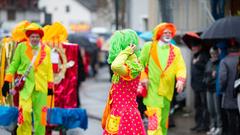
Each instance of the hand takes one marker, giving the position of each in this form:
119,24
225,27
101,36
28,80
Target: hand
141,90
179,86
214,74
50,92
144,82
133,48
195,60
5,88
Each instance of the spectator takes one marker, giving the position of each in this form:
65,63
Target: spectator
228,73
199,60
213,102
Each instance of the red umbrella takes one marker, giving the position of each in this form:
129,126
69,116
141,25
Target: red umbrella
191,39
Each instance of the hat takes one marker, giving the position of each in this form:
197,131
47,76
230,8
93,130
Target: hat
158,30
18,33
34,28
192,39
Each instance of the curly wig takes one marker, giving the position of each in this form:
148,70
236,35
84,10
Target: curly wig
120,40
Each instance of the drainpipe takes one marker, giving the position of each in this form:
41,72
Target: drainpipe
116,13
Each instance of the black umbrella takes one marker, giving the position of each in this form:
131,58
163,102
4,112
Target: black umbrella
83,41
228,27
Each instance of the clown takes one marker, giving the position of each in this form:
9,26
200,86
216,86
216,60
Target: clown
38,80
163,63
124,117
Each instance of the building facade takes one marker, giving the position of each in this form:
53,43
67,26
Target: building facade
138,14
13,11
67,12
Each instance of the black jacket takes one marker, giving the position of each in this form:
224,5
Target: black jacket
197,71
209,80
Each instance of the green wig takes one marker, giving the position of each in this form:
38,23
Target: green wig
120,40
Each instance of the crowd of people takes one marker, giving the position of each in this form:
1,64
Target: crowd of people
215,96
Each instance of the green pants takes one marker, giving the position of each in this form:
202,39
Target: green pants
161,114
34,104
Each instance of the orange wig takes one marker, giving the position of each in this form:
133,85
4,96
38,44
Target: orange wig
158,30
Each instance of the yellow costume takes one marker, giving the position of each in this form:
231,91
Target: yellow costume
165,65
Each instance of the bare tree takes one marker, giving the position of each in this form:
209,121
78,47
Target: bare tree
104,13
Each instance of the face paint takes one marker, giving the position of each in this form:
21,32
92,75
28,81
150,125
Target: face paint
167,39
166,36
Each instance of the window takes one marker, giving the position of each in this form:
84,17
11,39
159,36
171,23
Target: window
12,2
145,23
11,15
67,9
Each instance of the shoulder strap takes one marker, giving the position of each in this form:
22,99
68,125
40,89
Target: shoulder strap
32,62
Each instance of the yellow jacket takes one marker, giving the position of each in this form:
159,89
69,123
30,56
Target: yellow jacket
40,76
162,81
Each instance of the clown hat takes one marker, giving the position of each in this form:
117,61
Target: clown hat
34,28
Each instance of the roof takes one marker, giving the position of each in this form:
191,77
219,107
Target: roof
89,4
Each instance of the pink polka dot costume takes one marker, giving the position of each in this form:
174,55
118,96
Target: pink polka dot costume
124,105
124,117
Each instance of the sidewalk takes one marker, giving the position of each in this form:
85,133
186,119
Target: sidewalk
94,92
183,121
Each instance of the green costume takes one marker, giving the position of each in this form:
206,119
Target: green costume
165,65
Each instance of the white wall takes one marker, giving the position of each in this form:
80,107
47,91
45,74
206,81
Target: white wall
191,15
57,8
3,15
138,9
188,15
187,55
